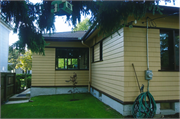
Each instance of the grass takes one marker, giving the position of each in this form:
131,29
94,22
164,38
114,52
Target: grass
60,106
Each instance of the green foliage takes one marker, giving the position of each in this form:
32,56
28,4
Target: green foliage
12,57
19,79
22,76
82,26
29,82
60,106
23,14
25,61
113,15
18,85
32,20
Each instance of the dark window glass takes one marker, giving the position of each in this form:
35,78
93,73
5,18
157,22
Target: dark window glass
176,50
93,54
169,42
72,58
100,52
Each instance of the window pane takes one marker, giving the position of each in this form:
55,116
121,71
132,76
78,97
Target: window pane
65,63
164,37
70,66
72,58
75,63
69,61
61,63
177,50
84,59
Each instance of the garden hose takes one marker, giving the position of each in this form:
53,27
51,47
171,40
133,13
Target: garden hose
144,106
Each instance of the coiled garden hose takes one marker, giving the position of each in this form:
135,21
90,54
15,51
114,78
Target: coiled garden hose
144,106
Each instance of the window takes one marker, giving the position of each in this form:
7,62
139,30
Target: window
169,42
72,58
97,52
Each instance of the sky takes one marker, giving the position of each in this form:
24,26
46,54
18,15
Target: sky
60,21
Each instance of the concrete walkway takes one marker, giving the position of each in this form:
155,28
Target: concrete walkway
20,98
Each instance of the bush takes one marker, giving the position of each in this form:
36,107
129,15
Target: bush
29,82
18,85
20,78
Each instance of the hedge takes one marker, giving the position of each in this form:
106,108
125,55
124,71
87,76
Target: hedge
19,77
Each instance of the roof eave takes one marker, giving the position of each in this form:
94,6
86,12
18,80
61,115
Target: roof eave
63,39
167,10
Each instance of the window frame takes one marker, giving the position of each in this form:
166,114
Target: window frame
171,49
56,61
100,51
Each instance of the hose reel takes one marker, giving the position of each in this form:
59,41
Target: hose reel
144,106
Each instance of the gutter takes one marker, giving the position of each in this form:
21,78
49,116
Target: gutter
89,32
89,83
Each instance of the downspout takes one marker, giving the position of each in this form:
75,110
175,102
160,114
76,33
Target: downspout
147,53
89,83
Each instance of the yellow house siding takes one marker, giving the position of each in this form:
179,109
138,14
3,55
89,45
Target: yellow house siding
107,75
164,85
43,68
62,76
163,22
97,52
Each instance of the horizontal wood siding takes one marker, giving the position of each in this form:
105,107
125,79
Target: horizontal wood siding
44,73
108,75
97,52
159,21
62,76
43,68
164,85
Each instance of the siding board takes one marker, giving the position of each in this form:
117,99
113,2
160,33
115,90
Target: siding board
164,85
107,75
44,74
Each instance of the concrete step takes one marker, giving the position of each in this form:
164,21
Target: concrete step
19,97
16,102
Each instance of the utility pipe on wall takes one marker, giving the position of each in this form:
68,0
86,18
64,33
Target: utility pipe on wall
147,46
89,84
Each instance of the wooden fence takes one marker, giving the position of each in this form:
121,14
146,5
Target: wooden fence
8,87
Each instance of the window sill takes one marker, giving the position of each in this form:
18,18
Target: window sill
168,70
97,61
69,69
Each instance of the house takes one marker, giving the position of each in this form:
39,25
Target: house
19,70
104,65
5,29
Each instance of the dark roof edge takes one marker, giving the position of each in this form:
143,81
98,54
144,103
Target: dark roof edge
91,30
60,39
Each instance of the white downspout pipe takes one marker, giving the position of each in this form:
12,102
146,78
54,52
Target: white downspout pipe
147,53
89,83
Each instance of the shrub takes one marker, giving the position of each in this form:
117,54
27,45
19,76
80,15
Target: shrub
29,82
20,78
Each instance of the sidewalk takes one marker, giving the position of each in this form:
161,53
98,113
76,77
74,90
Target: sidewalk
20,98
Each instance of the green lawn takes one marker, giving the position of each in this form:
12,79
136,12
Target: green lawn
60,106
